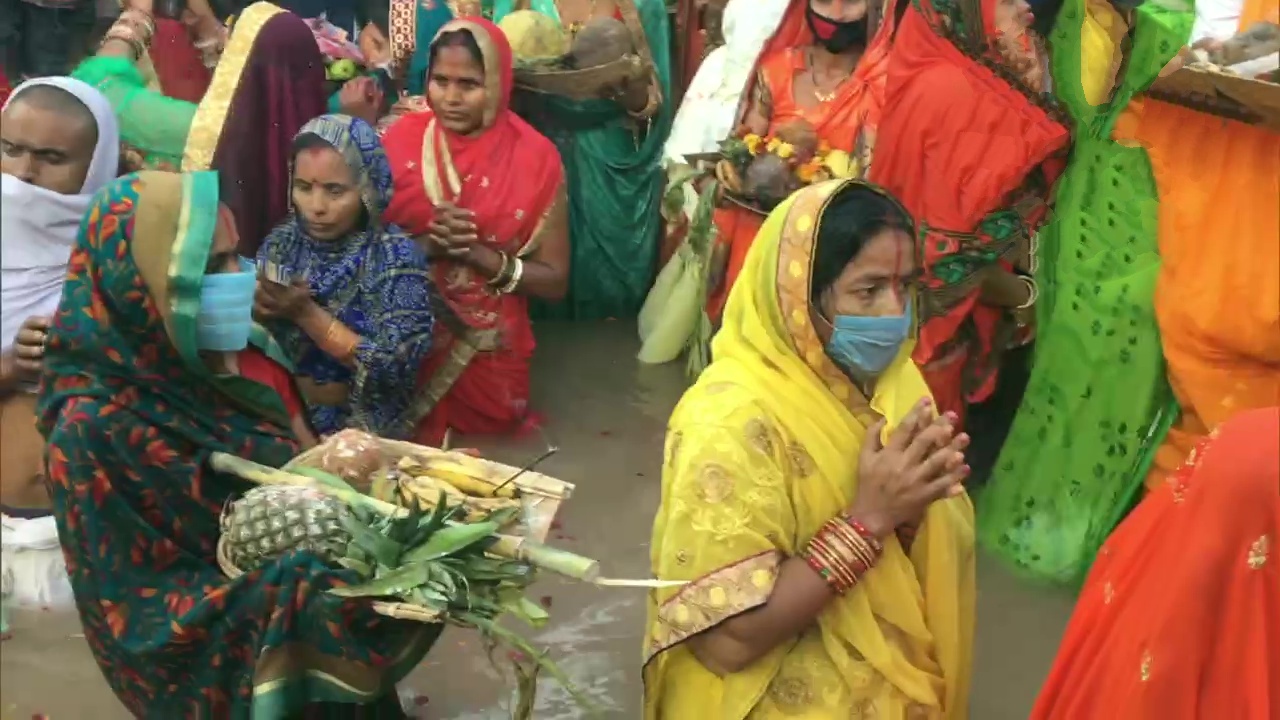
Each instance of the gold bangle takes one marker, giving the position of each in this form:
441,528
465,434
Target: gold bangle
857,544
516,274
833,561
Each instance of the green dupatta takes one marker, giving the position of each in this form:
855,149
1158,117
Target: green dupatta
1098,401
615,181
131,415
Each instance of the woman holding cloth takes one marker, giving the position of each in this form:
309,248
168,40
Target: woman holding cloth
612,151
269,81
817,69
497,237
806,454
969,141
357,321
142,383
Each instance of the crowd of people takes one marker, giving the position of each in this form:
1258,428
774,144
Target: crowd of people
1042,286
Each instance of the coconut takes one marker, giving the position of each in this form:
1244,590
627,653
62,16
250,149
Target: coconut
769,180
534,36
600,42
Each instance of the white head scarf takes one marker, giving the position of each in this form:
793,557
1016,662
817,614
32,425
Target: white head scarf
38,227
710,106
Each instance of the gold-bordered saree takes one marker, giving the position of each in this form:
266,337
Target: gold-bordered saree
759,454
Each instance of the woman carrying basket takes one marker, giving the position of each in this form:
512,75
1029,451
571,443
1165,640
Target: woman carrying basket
612,152
141,385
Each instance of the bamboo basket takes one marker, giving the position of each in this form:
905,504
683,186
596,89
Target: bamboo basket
540,495
1235,97
589,83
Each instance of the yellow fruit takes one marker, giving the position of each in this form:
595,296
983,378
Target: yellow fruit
469,475
840,164
534,36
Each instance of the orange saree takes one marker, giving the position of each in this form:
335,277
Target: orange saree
839,122
1180,616
1218,293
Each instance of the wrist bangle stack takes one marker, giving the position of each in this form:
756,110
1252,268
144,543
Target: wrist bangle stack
134,28
516,274
842,552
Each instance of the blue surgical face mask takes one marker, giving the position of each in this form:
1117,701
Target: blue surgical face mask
225,318
868,344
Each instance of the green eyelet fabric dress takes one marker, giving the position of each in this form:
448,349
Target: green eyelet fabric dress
1098,401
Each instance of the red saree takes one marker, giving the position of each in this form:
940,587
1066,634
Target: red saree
967,153
840,122
1180,617
476,380
177,62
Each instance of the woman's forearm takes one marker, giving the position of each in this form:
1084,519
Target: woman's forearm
329,334
799,596
537,279
1003,288
10,377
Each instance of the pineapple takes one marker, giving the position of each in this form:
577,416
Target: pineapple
271,520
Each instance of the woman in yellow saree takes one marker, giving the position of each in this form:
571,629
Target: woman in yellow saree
775,453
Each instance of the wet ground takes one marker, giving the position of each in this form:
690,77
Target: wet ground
606,413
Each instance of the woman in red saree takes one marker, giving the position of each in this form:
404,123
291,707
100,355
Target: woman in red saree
971,143
811,70
1180,617
484,192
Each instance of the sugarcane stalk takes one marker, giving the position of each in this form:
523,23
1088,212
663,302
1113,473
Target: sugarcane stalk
546,557
264,475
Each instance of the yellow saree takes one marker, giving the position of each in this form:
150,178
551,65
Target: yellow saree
761,452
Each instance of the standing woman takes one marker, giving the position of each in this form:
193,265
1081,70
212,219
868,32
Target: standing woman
139,388
612,152
822,68
967,141
1073,460
357,322
396,35
269,81
484,193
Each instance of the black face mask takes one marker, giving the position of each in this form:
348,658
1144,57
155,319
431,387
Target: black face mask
836,37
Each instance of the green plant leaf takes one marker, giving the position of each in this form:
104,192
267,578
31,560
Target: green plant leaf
399,583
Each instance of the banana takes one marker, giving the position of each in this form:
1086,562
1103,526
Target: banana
469,476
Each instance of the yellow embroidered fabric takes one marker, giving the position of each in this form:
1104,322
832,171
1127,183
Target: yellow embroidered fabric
761,452
1101,54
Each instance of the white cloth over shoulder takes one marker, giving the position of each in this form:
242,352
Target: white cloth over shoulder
1220,20
710,106
38,227
34,569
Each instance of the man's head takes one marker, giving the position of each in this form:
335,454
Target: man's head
47,139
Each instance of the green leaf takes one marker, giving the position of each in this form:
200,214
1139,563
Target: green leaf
529,612
383,549
362,568
450,540
398,583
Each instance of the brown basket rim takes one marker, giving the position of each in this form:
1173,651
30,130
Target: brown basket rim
1223,94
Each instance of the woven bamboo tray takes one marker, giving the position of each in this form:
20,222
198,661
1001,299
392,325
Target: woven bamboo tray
540,495
1247,100
583,84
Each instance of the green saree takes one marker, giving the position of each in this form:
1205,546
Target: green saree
131,414
1097,399
615,182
